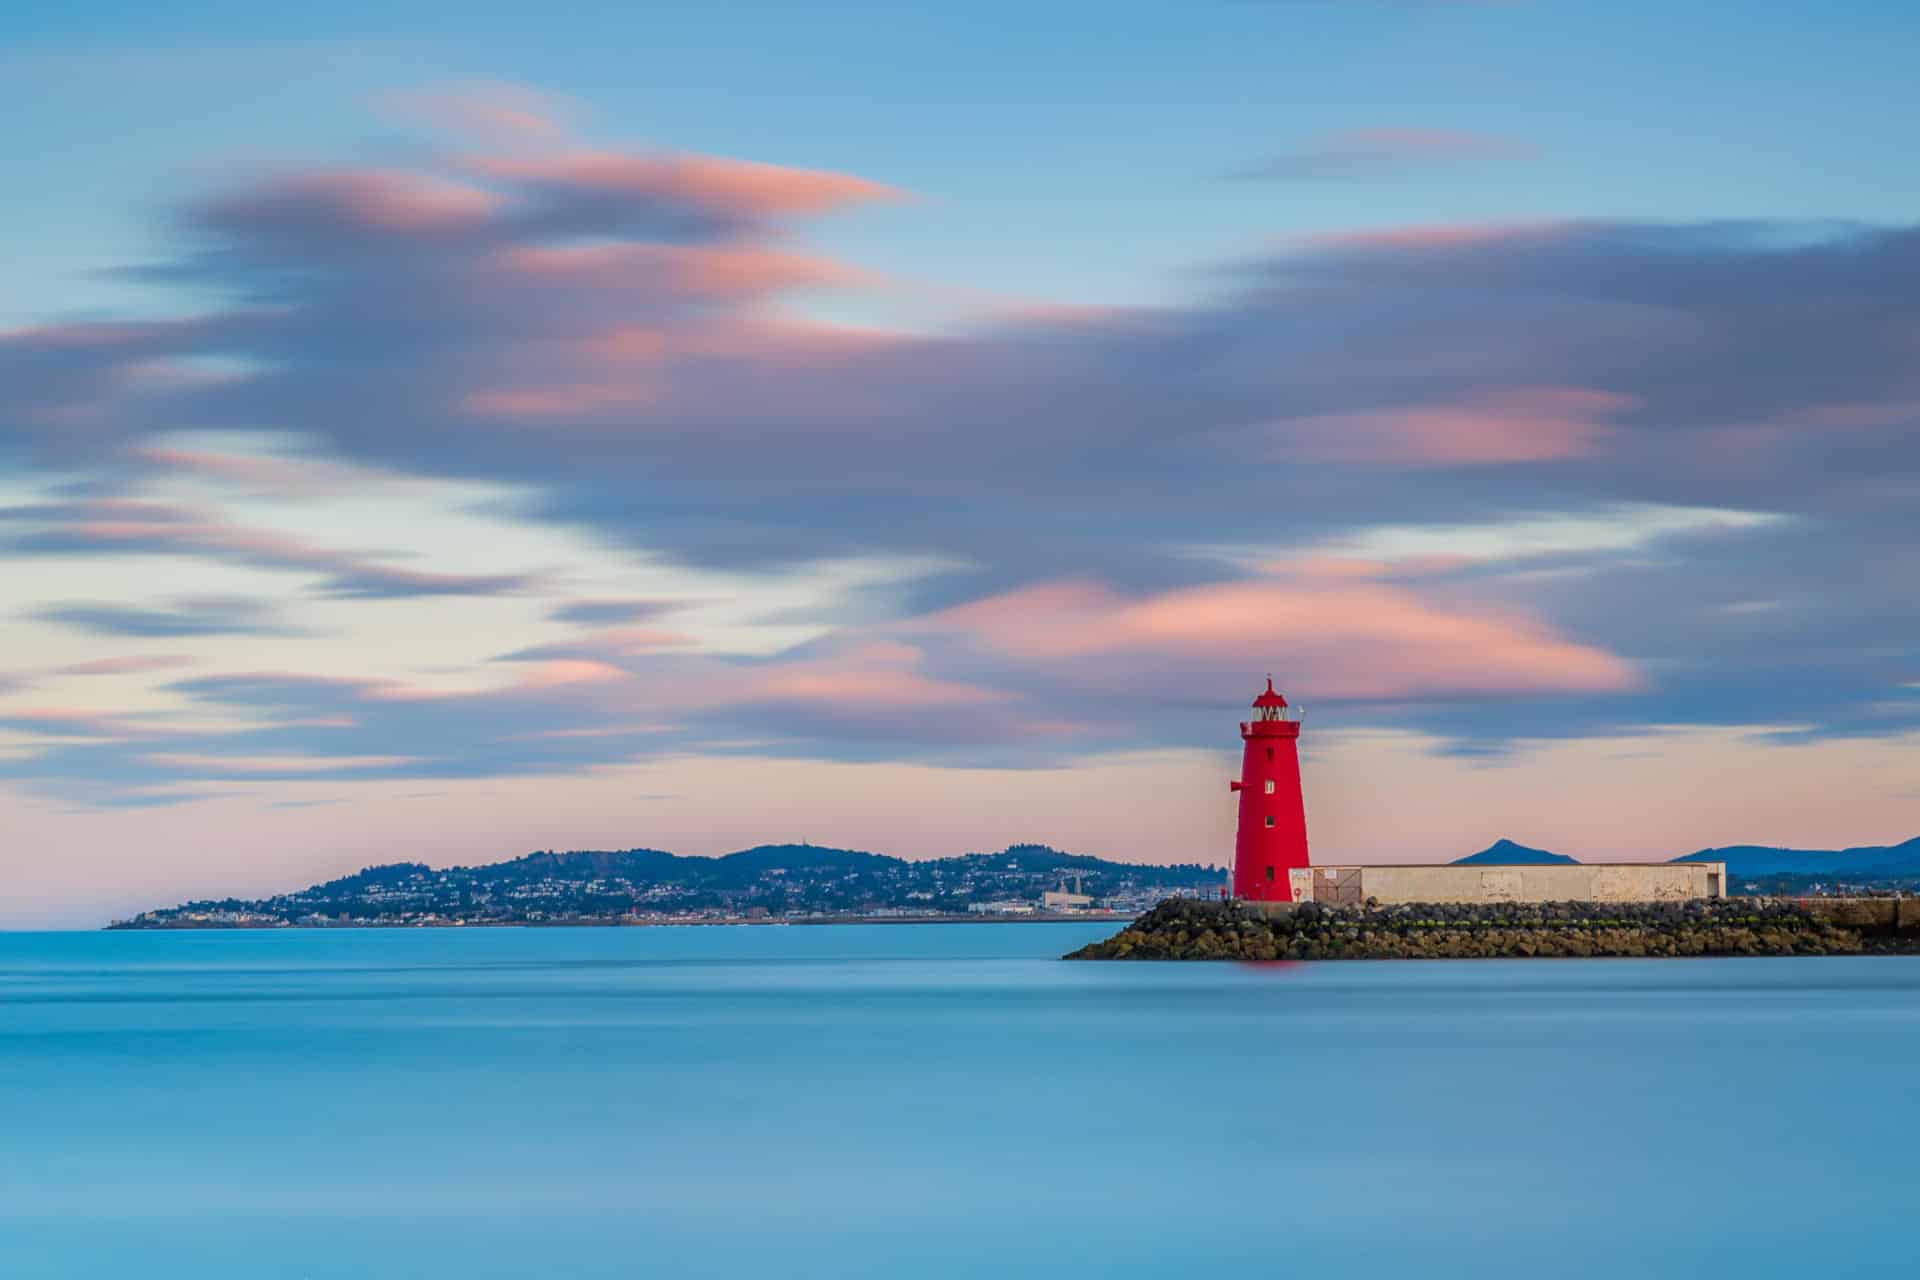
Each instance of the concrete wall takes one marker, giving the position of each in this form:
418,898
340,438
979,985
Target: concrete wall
1559,882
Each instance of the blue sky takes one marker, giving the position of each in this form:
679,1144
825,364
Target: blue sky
471,428
1014,123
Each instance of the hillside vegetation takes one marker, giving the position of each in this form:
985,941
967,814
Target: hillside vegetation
774,881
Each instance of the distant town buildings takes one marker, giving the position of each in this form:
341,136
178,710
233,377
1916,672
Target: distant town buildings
777,884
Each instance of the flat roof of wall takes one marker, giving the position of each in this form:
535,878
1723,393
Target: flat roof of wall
1493,866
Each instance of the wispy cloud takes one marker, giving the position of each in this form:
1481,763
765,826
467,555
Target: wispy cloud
203,616
601,612
1515,425
115,527
131,664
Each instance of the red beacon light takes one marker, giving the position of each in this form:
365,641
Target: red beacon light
1272,839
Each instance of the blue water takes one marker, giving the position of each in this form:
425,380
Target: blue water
936,1101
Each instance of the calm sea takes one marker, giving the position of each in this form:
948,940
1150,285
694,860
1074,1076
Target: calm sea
936,1101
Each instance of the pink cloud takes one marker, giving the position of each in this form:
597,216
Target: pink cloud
371,200
731,270
874,676
573,399
288,476
381,690
1341,639
736,187
613,372
627,641
625,343
1526,424
565,671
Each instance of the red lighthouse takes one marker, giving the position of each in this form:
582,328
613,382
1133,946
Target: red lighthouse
1273,819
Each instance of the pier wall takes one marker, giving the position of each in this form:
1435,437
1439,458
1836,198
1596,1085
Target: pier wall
1556,882
1186,929
1869,915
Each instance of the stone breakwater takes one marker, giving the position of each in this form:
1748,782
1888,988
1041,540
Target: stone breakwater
1184,929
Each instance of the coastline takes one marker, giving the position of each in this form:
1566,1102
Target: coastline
588,922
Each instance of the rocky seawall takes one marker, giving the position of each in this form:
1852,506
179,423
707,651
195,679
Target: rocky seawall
1186,929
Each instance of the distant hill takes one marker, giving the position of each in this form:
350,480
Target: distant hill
1508,853
1768,869
778,881
1863,862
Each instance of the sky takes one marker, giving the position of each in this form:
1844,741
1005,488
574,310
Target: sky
444,431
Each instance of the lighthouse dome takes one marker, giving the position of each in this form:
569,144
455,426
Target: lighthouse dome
1269,698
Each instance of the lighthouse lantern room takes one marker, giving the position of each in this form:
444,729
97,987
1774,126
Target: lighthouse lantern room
1273,819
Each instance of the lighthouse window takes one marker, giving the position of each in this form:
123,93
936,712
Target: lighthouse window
1269,819
1269,786
1269,753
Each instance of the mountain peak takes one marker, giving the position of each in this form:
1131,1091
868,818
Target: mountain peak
1511,853
1863,861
